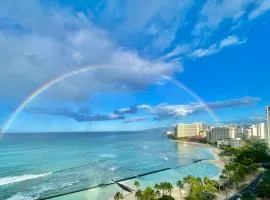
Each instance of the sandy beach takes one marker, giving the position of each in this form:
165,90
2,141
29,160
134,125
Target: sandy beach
175,192
214,150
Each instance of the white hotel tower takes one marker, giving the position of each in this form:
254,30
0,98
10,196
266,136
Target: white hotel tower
267,126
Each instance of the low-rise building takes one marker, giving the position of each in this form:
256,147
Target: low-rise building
237,142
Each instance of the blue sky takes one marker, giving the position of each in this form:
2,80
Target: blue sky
140,53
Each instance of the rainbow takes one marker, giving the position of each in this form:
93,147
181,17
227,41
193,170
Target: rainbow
37,92
196,97
75,72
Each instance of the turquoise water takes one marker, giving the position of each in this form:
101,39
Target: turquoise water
42,165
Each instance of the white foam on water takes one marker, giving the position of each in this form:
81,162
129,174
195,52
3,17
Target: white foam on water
16,179
164,157
20,197
145,147
69,184
113,168
107,155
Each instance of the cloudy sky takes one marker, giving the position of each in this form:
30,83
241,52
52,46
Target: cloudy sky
149,63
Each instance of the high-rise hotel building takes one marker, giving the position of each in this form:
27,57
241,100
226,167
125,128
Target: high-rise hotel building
189,130
267,126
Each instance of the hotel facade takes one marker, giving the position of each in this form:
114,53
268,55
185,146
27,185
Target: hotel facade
258,130
189,130
218,133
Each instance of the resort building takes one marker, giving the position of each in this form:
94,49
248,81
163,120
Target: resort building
258,131
232,142
232,131
189,130
267,126
249,133
261,130
219,133
240,132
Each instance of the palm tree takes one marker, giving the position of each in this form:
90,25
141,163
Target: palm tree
157,192
157,187
180,186
137,184
118,196
188,179
162,187
169,187
149,194
139,195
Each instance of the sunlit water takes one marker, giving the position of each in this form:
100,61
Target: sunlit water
41,165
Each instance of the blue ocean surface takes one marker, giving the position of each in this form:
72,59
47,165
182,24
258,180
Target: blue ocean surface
38,165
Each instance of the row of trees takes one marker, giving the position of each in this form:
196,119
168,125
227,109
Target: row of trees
264,186
161,191
242,164
201,189
198,189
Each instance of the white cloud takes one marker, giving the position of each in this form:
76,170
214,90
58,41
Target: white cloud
158,112
55,41
177,51
215,11
77,115
261,8
152,30
232,40
205,52
134,119
167,111
155,21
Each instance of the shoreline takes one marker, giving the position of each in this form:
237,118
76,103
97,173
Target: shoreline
92,193
175,191
213,150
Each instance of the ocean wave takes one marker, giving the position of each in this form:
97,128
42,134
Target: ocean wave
163,157
145,147
69,184
39,190
15,179
113,168
107,155
20,197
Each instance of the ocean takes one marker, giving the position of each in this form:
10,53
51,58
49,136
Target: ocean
42,165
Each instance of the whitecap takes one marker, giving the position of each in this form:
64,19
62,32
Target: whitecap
113,168
69,184
107,155
15,179
164,157
20,197
145,147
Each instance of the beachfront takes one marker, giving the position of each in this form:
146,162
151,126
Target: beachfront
96,159
175,193
243,176
211,168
